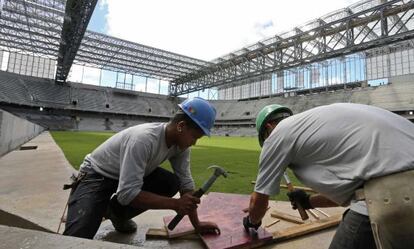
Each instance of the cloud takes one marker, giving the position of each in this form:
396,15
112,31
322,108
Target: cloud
209,29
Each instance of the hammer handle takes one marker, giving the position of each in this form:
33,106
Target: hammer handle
174,222
301,210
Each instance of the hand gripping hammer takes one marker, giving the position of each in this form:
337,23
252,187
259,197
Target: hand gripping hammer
301,210
218,171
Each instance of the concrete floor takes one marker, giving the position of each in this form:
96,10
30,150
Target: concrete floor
31,196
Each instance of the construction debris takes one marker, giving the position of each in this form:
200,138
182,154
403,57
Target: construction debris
286,217
272,223
296,231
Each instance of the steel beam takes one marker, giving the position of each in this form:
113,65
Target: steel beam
354,32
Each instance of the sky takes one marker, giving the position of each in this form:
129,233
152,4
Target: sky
205,29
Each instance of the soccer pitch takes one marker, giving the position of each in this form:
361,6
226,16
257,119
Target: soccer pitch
238,155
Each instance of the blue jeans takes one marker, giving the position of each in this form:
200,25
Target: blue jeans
89,202
354,232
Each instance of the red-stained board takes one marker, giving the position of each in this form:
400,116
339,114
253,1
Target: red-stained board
226,210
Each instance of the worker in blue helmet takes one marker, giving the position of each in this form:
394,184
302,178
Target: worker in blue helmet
122,177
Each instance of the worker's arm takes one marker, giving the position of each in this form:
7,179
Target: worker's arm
318,200
147,200
201,227
258,206
186,204
309,201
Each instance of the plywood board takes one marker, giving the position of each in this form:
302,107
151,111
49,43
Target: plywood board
225,210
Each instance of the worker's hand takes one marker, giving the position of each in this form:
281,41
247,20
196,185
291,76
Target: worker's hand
206,227
186,204
248,224
301,197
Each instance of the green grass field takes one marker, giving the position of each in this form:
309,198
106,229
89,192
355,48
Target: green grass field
238,155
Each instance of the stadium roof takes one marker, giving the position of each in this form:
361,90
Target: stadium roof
361,26
36,26
43,28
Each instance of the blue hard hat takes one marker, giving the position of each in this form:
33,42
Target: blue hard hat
201,112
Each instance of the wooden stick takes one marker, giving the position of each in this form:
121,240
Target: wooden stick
287,217
298,187
296,231
313,214
322,212
272,223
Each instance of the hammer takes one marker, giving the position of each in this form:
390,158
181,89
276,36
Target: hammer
218,171
301,210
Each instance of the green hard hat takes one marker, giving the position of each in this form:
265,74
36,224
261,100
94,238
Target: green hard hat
264,116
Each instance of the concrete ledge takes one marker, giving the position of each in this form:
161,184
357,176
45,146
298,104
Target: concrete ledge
9,219
31,184
17,238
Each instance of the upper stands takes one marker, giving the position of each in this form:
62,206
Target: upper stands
76,106
397,97
30,91
13,90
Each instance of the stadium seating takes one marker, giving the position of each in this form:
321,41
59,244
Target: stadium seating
76,106
13,90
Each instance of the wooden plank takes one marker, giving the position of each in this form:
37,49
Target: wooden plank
303,229
287,217
156,233
182,229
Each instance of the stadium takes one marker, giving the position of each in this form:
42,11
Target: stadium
363,54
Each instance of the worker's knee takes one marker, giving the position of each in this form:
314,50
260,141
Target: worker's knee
82,219
162,182
172,185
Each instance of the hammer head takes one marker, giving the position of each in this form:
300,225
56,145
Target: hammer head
218,170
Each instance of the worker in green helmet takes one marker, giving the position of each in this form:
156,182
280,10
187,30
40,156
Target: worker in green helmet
353,155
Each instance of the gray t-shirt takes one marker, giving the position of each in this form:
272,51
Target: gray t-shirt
334,149
134,153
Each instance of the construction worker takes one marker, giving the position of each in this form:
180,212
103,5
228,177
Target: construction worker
352,154
127,168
